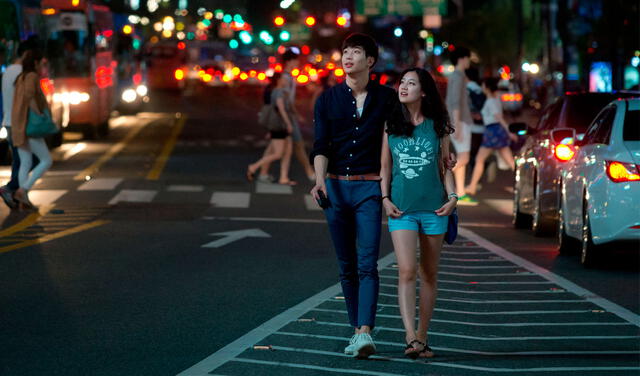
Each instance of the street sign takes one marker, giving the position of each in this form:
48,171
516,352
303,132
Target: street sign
401,7
232,236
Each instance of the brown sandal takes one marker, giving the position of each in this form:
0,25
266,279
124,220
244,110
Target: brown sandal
426,352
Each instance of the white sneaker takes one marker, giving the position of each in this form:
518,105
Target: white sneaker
351,349
364,346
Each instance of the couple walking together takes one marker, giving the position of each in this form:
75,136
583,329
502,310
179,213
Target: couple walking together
381,148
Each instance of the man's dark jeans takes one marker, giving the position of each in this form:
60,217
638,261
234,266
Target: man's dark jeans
354,222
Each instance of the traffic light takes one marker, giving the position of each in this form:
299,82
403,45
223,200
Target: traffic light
245,37
233,44
310,21
279,21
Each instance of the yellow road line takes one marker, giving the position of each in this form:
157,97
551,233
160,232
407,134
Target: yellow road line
161,161
28,221
115,149
49,237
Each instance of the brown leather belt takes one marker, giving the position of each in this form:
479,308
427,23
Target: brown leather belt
370,176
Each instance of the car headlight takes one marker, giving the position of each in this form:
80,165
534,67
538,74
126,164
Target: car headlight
142,90
129,95
73,97
3,133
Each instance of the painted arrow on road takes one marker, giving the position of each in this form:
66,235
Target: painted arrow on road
232,236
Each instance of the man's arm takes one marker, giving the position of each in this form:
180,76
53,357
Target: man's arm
320,152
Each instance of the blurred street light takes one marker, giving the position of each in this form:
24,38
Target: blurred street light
397,32
279,21
534,68
285,35
341,21
284,4
310,21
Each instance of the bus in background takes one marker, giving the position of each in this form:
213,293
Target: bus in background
167,65
79,48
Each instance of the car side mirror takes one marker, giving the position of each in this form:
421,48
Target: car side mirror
558,135
520,129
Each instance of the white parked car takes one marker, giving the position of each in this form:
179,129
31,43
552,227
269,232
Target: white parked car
600,186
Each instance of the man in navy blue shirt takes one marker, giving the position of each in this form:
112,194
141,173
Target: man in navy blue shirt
349,126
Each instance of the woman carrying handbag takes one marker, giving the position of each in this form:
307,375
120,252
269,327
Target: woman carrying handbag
30,106
419,204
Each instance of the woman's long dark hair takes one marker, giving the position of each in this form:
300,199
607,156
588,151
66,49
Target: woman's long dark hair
432,107
31,57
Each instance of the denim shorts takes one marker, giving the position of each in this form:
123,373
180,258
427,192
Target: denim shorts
426,222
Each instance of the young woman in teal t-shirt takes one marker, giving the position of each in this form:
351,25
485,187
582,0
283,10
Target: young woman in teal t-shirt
415,199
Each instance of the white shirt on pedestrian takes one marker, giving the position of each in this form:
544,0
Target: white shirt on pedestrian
491,108
8,79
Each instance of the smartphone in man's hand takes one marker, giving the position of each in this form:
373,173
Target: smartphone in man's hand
323,201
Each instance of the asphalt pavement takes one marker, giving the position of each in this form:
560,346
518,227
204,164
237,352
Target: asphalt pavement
152,255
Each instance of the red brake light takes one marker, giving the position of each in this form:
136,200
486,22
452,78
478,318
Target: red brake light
620,172
563,152
179,74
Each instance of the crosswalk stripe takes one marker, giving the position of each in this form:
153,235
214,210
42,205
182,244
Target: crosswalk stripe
45,196
311,203
185,188
133,195
100,184
269,188
231,199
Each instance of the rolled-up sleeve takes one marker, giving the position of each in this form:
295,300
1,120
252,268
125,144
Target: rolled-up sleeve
322,142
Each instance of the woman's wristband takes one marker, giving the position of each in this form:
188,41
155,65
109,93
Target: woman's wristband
452,195
386,196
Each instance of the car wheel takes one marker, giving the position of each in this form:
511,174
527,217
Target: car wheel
589,256
90,132
540,225
103,129
520,220
566,244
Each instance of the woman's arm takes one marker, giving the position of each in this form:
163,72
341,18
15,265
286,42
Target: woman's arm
283,111
385,183
31,87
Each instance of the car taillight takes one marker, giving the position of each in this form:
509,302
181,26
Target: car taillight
620,172
563,152
179,74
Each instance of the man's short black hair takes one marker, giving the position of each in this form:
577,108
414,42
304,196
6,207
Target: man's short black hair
365,41
289,55
22,48
459,53
491,83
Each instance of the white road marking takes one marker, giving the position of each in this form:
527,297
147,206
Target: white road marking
232,236
262,219
573,311
45,196
478,282
428,364
488,292
478,267
269,188
100,184
503,206
77,148
527,274
479,338
231,199
473,301
558,280
470,323
309,366
185,188
310,203
464,351
235,348
133,195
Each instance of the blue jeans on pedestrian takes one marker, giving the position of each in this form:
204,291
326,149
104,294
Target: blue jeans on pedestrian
354,222
13,184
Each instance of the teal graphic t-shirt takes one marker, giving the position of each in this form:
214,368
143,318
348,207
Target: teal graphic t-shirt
415,178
